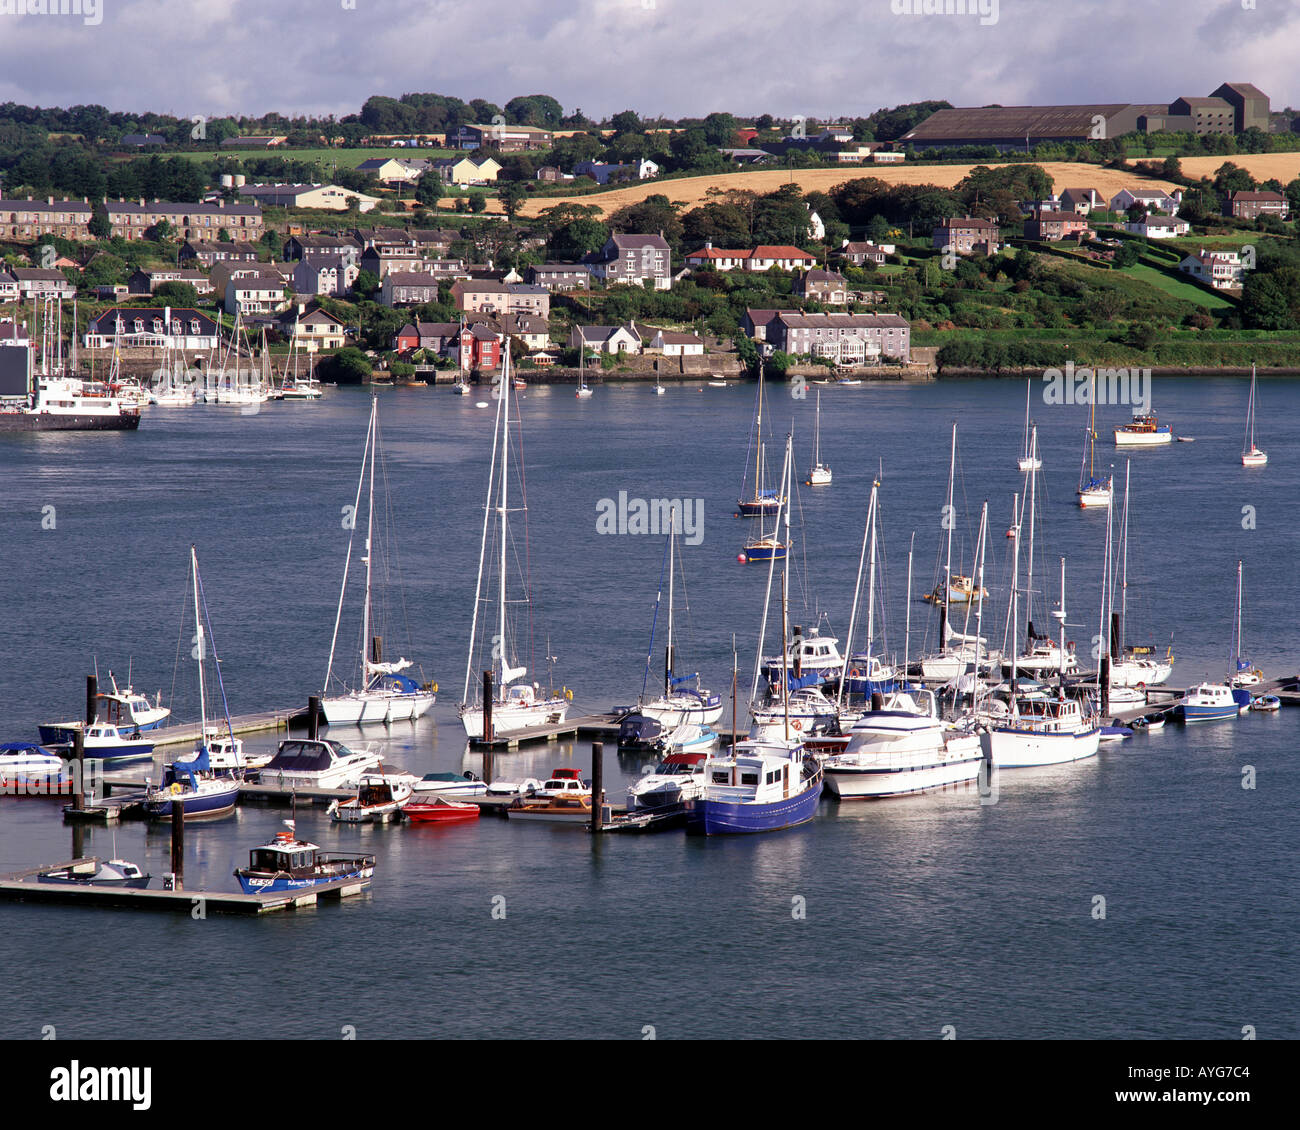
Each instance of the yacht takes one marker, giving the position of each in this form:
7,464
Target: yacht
317,763
676,779
1042,731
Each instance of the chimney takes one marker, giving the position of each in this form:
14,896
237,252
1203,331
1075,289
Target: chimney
49,200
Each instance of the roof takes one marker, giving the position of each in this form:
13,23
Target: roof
1213,103
604,333
45,205
1162,221
820,275
1273,197
430,329
632,242
134,207
38,274
108,318
968,222
1056,217
259,281
411,278
795,320
780,251
671,338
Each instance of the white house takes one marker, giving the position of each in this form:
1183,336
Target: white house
327,197
255,294
607,339
1222,270
1156,200
152,327
675,344
1160,227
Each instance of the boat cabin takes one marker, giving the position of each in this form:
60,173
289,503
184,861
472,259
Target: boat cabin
760,772
1049,715
375,791
307,755
564,781
297,857
682,764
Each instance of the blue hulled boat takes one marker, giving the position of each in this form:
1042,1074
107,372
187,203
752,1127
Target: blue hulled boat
763,787
286,863
1211,702
192,785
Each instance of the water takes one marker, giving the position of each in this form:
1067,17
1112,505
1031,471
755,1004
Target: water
915,913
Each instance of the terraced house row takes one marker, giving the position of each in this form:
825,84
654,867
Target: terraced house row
27,220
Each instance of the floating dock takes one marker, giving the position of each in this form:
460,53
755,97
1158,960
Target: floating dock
25,886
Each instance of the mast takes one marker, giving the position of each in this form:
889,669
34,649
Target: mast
950,520
1061,618
1123,584
505,485
347,567
1107,589
907,631
785,573
1015,606
370,528
199,647
1033,491
1237,664
817,434
978,574
668,651
857,594
758,441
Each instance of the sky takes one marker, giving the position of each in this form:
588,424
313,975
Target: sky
821,59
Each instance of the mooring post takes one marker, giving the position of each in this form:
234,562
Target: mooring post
1105,686
487,707
313,717
597,784
92,699
79,769
178,844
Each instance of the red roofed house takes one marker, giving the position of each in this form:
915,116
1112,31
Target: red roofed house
761,258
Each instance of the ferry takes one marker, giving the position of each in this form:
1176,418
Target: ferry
286,863
1144,431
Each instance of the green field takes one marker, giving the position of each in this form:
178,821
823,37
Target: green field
1185,291
343,158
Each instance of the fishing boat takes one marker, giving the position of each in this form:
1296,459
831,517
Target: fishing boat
124,709
1144,431
820,475
378,801
1210,702
512,708
381,694
575,809
961,590
1030,460
286,863
757,787
109,744
683,700
448,784
1251,455
438,809
317,763
675,780
762,501
114,873
773,546
1094,490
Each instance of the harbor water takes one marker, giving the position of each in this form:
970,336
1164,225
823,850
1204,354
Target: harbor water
1144,893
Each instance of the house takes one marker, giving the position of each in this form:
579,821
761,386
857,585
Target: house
1159,227
229,269
531,329
303,246
148,279
551,174
746,156
1055,226
829,287
261,293
1081,201
33,281
1252,205
311,328
142,141
435,240
385,257
782,256
208,253
560,276
394,170
466,171
408,288
478,348
8,287
1155,199
613,340
438,337
132,219
966,235
635,259
152,327
859,253
675,344
487,297
604,173
326,197
24,221
325,274
713,258
508,139
847,339
1222,270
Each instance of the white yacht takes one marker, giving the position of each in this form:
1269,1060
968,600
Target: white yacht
318,763
1042,731
678,778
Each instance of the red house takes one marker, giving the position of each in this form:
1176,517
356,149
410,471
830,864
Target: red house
479,349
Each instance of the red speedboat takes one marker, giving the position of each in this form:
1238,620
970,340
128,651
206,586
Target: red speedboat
439,810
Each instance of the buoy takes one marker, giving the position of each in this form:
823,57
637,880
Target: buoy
741,558
481,404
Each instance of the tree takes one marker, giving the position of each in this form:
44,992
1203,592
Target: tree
348,366
626,122
177,294
1136,212
478,203
656,213
511,195
534,110
365,284
224,236
1271,298
428,189
102,228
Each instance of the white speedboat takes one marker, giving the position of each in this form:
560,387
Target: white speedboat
450,784
678,778
378,800
317,763
27,767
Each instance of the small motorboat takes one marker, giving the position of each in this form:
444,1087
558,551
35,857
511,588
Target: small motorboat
564,782
26,767
317,763
1185,439
438,809
526,788
286,863
1114,734
1267,704
378,800
447,784
1153,722
573,809
108,743
95,873
961,590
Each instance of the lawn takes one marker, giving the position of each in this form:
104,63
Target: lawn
1184,291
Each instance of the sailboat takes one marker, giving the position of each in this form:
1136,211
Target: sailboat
659,389
762,502
191,784
771,547
683,701
1093,491
1245,674
1030,460
512,707
1132,665
1212,702
1251,456
820,475
583,391
382,693
294,387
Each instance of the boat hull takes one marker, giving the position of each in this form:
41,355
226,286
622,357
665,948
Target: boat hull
507,719
1163,434
889,776
194,806
706,817
257,885
1014,748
